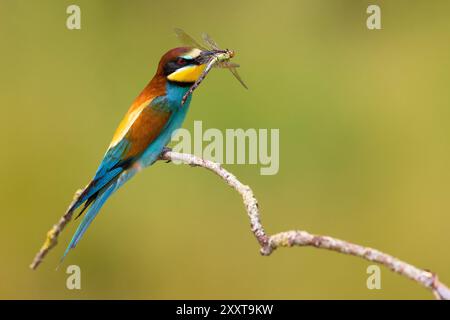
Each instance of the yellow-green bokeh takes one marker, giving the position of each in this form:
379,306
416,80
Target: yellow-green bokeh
364,147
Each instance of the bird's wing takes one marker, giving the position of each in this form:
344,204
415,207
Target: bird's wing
140,126
136,131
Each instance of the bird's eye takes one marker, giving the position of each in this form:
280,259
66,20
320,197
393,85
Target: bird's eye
181,61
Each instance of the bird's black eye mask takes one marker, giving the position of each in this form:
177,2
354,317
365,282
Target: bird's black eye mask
178,63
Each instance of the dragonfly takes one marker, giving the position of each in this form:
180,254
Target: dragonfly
220,59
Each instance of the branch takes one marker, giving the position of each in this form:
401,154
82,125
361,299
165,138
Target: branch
302,238
283,239
52,237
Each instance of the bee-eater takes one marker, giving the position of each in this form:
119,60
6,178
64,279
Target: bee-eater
144,131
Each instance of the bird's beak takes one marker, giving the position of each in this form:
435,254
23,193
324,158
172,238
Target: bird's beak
205,56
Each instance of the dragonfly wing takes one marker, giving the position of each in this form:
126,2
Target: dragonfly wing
188,40
207,38
237,76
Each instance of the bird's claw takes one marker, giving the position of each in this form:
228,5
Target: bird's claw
164,150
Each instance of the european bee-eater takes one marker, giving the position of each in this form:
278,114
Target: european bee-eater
144,131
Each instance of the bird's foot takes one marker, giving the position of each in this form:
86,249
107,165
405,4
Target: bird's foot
164,150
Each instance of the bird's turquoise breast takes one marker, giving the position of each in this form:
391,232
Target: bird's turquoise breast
174,95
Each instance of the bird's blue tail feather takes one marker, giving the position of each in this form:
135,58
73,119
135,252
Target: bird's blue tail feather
97,204
91,213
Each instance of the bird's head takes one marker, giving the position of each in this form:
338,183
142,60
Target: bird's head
183,65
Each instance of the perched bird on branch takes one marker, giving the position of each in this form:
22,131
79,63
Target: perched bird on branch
145,130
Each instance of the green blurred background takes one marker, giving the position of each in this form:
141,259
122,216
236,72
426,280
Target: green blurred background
364,147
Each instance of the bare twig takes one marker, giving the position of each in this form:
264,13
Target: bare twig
302,238
283,239
52,237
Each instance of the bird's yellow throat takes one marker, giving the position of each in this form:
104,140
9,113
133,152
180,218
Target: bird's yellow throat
187,74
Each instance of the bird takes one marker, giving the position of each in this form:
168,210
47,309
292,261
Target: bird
143,133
